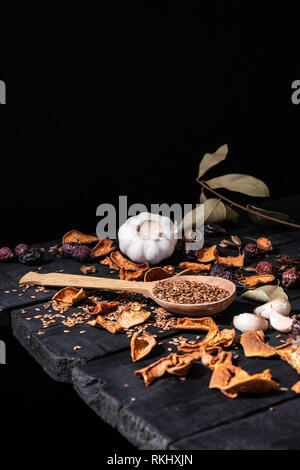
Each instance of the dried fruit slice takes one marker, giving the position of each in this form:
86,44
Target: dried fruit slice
122,262
207,254
200,324
290,354
69,296
235,261
131,275
109,262
232,380
74,236
111,326
141,346
253,281
213,339
103,248
296,387
133,316
196,267
88,269
254,346
104,307
156,274
170,269
174,364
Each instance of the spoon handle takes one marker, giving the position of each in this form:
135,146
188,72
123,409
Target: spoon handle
89,282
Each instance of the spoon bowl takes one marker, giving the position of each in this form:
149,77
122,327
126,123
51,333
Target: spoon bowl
144,288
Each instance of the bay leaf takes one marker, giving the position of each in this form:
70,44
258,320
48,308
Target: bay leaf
212,211
240,183
211,159
265,222
264,294
231,214
203,198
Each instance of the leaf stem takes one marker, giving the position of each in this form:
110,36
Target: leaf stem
246,209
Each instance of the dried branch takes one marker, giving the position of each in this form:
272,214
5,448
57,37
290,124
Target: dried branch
246,209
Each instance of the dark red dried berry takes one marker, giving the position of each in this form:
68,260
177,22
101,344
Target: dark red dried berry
284,259
251,250
21,248
5,253
214,229
295,330
224,272
32,256
68,249
82,253
264,267
290,278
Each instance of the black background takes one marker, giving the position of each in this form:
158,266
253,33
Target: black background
125,101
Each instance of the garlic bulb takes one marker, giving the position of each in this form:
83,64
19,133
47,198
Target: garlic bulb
279,322
281,305
147,237
249,322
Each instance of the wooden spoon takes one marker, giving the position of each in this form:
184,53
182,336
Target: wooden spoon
144,288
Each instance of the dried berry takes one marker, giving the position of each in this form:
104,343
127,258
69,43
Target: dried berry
5,253
190,237
21,248
295,330
32,256
251,250
264,244
68,249
225,272
214,229
290,278
284,259
82,253
264,267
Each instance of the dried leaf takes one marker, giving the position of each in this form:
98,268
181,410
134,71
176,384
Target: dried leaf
70,296
254,346
141,346
253,281
156,274
231,214
235,261
104,307
133,316
214,211
111,326
103,248
74,236
244,184
131,275
264,294
211,159
195,267
207,254
226,243
265,222
122,262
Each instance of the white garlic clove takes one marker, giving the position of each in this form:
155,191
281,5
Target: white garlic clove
279,322
249,322
281,305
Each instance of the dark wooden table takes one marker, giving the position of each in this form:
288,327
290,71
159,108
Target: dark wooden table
171,413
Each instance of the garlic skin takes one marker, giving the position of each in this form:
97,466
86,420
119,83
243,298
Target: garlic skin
282,306
249,322
148,237
280,322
